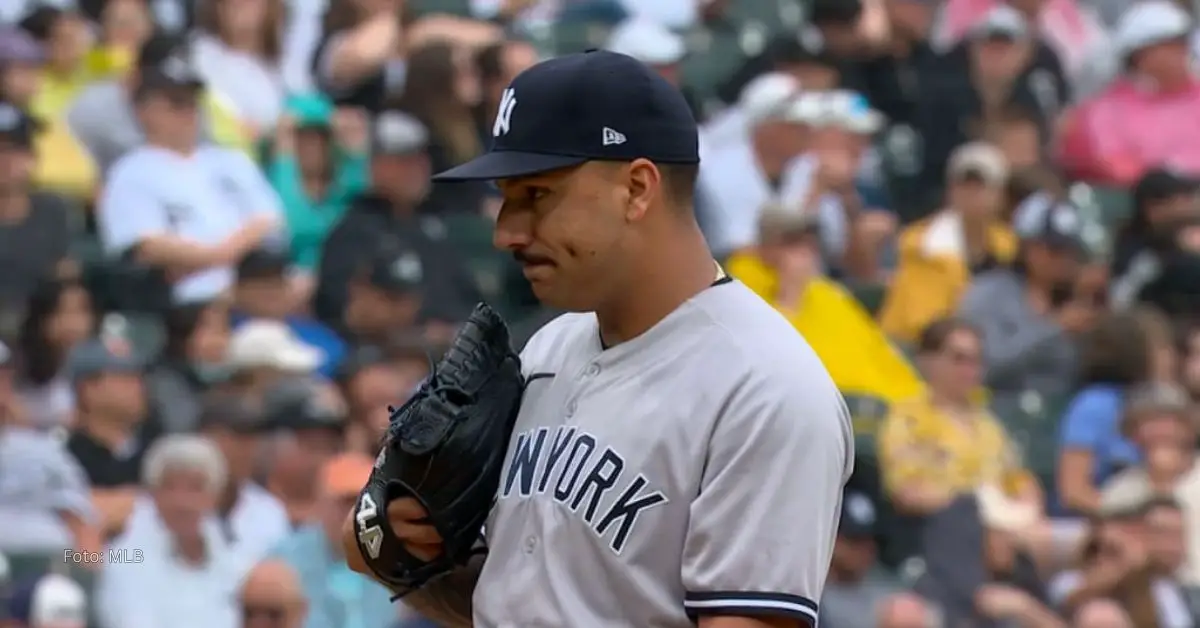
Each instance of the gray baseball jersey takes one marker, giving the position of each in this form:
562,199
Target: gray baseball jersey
694,470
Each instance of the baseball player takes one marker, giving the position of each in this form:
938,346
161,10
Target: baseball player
680,451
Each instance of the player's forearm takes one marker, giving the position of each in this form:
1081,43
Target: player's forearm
447,600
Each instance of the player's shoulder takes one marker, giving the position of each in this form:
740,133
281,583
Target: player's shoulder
551,344
759,349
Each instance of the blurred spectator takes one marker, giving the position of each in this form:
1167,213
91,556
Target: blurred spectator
188,576
191,211
804,56
1031,314
192,361
1017,132
905,610
44,499
854,595
1102,613
59,316
359,59
63,35
1115,357
49,601
124,26
740,176
785,269
263,352
1131,558
1115,136
337,597
238,54
271,597
105,116
1165,209
656,46
442,91
1166,270
944,444
111,434
940,255
823,181
248,518
263,293
386,222
371,380
1070,28
387,299
318,164
34,232
310,423
1160,421
999,65
1190,360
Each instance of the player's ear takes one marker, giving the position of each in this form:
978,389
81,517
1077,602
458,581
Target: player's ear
644,182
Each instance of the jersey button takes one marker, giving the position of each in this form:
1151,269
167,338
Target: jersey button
593,370
530,544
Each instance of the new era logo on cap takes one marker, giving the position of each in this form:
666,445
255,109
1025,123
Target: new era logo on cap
612,138
570,102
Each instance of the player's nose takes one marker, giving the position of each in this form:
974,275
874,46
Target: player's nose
514,229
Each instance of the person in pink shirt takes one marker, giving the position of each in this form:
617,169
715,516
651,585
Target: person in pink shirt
1147,116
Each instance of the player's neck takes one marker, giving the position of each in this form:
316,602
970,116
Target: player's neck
670,276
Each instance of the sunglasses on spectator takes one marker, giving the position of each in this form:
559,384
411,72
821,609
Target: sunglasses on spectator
269,612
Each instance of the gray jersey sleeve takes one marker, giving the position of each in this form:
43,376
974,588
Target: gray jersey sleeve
762,527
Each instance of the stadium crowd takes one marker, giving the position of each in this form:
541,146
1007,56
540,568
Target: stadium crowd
227,259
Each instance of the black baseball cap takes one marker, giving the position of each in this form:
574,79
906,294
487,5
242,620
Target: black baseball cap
398,273
859,516
1160,184
166,61
590,106
1052,222
262,263
233,412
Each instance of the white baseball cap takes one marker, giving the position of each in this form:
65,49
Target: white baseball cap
271,344
1148,23
772,96
647,41
841,108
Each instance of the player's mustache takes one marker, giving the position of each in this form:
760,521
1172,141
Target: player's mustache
526,258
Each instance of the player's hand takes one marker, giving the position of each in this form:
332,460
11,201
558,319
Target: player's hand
836,170
407,518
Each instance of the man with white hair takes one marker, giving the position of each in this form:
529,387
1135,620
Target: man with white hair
177,571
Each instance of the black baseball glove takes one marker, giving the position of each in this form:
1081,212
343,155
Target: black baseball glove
444,448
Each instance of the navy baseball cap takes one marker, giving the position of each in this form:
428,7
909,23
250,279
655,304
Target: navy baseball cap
590,106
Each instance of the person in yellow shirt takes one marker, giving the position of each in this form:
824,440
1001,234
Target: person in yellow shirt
62,163
784,269
944,442
938,255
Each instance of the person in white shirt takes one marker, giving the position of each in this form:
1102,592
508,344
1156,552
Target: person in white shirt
739,174
823,180
246,518
175,570
191,210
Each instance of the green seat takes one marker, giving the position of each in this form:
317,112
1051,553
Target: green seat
870,295
1113,206
867,414
1033,425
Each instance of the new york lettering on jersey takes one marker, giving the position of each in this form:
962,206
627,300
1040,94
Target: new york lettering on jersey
567,463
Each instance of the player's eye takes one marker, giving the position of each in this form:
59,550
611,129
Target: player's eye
533,194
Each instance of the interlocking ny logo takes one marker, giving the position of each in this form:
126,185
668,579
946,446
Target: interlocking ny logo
508,101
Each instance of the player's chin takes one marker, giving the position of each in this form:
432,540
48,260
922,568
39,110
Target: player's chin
557,294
